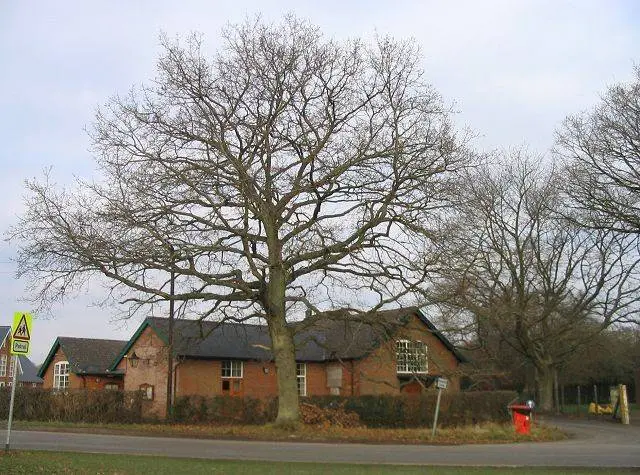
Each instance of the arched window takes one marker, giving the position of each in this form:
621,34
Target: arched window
147,391
61,375
411,357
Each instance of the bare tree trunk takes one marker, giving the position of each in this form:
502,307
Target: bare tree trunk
284,354
282,342
545,388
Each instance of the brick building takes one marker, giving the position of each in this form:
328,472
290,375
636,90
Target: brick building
386,353
27,372
82,363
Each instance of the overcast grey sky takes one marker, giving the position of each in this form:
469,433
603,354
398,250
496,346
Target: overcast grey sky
513,68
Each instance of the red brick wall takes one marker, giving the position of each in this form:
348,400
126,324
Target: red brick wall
5,351
99,382
258,383
204,377
151,369
196,377
75,382
375,374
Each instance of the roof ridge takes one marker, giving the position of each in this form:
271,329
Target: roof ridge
211,322
89,338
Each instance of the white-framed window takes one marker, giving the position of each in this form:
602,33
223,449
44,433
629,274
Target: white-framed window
61,375
301,377
111,387
3,365
12,364
1,384
232,369
411,357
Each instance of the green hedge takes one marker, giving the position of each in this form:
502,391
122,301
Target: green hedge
33,404
417,411
374,411
224,410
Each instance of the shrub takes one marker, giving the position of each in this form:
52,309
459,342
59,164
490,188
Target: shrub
35,404
456,409
224,410
372,411
418,410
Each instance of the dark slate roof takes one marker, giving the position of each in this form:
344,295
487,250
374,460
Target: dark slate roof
341,336
29,371
4,332
85,355
335,336
196,339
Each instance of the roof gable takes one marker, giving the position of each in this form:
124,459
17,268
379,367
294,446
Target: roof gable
85,355
28,371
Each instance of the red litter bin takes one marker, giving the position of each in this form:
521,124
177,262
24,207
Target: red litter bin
521,416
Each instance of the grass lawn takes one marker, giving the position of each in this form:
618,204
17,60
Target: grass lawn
31,462
477,434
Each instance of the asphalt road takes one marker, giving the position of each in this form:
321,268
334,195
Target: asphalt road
594,444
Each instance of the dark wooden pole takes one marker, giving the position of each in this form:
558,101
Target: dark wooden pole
170,340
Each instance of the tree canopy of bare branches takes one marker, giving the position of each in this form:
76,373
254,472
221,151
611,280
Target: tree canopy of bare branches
530,277
281,176
602,148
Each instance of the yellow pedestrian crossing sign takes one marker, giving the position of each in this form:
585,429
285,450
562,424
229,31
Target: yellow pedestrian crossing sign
21,333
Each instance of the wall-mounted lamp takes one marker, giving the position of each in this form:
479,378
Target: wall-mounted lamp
265,370
134,359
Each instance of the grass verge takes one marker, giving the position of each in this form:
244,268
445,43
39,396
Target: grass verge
478,434
30,462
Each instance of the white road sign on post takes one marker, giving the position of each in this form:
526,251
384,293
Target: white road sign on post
21,333
20,345
441,383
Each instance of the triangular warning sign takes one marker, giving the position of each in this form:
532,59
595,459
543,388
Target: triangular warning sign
22,330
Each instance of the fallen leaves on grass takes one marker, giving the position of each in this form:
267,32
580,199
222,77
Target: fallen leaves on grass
474,434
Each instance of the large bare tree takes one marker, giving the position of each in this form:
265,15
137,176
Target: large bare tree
282,176
528,276
602,148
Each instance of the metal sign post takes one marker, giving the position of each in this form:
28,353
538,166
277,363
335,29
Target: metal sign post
441,383
20,345
13,396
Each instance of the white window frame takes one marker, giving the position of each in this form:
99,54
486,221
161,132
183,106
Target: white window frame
148,391
232,369
301,378
60,377
411,357
3,365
